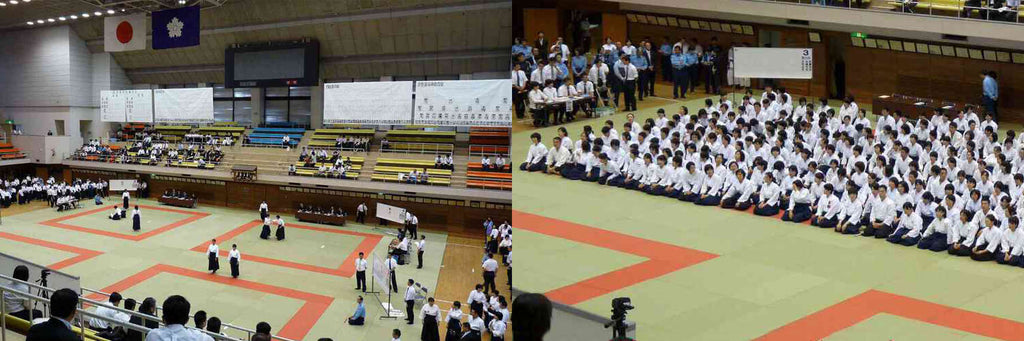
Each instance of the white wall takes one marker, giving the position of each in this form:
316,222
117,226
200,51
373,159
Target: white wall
79,58
35,68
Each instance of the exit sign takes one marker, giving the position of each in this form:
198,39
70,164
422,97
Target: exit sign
858,35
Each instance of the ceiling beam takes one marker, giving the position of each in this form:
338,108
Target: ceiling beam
480,5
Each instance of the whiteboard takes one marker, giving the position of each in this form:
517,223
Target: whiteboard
183,105
772,62
381,103
390,213
464,103
56,279
381,273
123,185
126,106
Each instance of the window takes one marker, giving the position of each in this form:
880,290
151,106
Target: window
287,104
232,105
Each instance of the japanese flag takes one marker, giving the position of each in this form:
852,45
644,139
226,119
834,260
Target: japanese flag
124,33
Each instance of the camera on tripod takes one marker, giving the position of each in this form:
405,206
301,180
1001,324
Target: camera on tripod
620,306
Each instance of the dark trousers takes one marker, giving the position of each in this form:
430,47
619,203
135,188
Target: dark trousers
679,81
666,68
711,85
394,283
355,321
642,85
991,107
408,310
361,217
519,99
693,72
629,87
361,280
419,256
489,281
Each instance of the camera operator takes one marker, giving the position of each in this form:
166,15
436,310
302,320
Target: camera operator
16,305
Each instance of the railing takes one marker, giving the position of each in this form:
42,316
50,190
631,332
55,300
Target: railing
912,7
82,312
488,150
420,148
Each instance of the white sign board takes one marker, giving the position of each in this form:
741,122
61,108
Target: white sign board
380,103
183,105
771,62
381,273
391,213
464,103
126,106
55,280
124,185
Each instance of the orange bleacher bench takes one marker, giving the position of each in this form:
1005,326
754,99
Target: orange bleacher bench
489,184
488,149
498,176
475,166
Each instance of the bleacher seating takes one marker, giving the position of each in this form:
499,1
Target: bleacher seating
273,136
489,141
21,326
173,133
234,132
326,138
388,170
477,177
8,152
353,173
131,129
419,141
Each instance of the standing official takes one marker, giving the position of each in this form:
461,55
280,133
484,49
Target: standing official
410,300
490,266
361,273
361,213
637,60
627,74
648,54
392,266
519,89
419,250
990,93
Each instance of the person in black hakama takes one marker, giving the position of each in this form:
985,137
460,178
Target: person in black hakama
454,327
233,257
265,233
264,210
136,219
279,233
430,313
213,253
125,197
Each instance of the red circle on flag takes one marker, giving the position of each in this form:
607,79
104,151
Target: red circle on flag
124,32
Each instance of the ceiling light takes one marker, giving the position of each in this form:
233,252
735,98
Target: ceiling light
14,2
122,10
50,20
85,15
181,2
39,21
2,4
97,13
74,16
26,1
31,23
62,18
110,11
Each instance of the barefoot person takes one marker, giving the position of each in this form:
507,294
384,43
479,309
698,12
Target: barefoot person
213,253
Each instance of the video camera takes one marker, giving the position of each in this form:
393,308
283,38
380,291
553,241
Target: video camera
620,306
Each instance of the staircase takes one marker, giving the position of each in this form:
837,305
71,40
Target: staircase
460,158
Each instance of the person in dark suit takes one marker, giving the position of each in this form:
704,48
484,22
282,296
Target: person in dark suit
63,306
541,43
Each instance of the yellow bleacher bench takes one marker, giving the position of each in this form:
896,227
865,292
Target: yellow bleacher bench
406,162
394,177
395,170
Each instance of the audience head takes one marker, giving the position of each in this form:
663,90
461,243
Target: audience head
263,328
199,319
176,310
115,298
129,304
64,304
213,325
21,273
531,317
395,333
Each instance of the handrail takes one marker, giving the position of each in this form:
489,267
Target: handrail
907,7
79,317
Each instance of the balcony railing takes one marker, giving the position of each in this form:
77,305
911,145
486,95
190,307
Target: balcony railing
949,9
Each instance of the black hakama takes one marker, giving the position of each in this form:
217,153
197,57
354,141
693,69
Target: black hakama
266,232
214,262
136,222
125,204
280,232
264,214
429,332
234,267
454,332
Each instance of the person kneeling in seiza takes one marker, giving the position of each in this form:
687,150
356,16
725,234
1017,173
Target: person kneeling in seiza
117,213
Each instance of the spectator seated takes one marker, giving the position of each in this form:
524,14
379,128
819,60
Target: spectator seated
328,167
273,137
222,131
433,176
173,133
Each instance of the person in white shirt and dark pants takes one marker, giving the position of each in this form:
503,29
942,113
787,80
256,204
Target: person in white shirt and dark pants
361,273
410,301
628,74
420,245
490,266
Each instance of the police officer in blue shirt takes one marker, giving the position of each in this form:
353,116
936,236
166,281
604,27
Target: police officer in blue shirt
690,59
666,60
563,70
641,67
679,78
579,64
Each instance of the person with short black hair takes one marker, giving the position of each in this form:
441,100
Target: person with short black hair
105,310
396,335
360,272
531,317
199,318
489,266
63,306
16,305
359,316
410,301
176,309
213,325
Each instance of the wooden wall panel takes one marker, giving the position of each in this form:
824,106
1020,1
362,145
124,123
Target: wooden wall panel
544,20
613,25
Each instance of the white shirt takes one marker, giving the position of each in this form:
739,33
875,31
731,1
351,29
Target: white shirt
360,264
432,310
476,296
213,248
235,254
106,311
519,78
175,332
410,293
490,265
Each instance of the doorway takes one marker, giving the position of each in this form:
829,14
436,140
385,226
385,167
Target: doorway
768,38
836,66
83,129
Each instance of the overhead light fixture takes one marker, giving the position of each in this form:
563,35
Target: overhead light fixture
97,13
31,23
50,20
122,10
74,16
14,2
85,15
62,18
110,11
181,2
40,21
2,4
